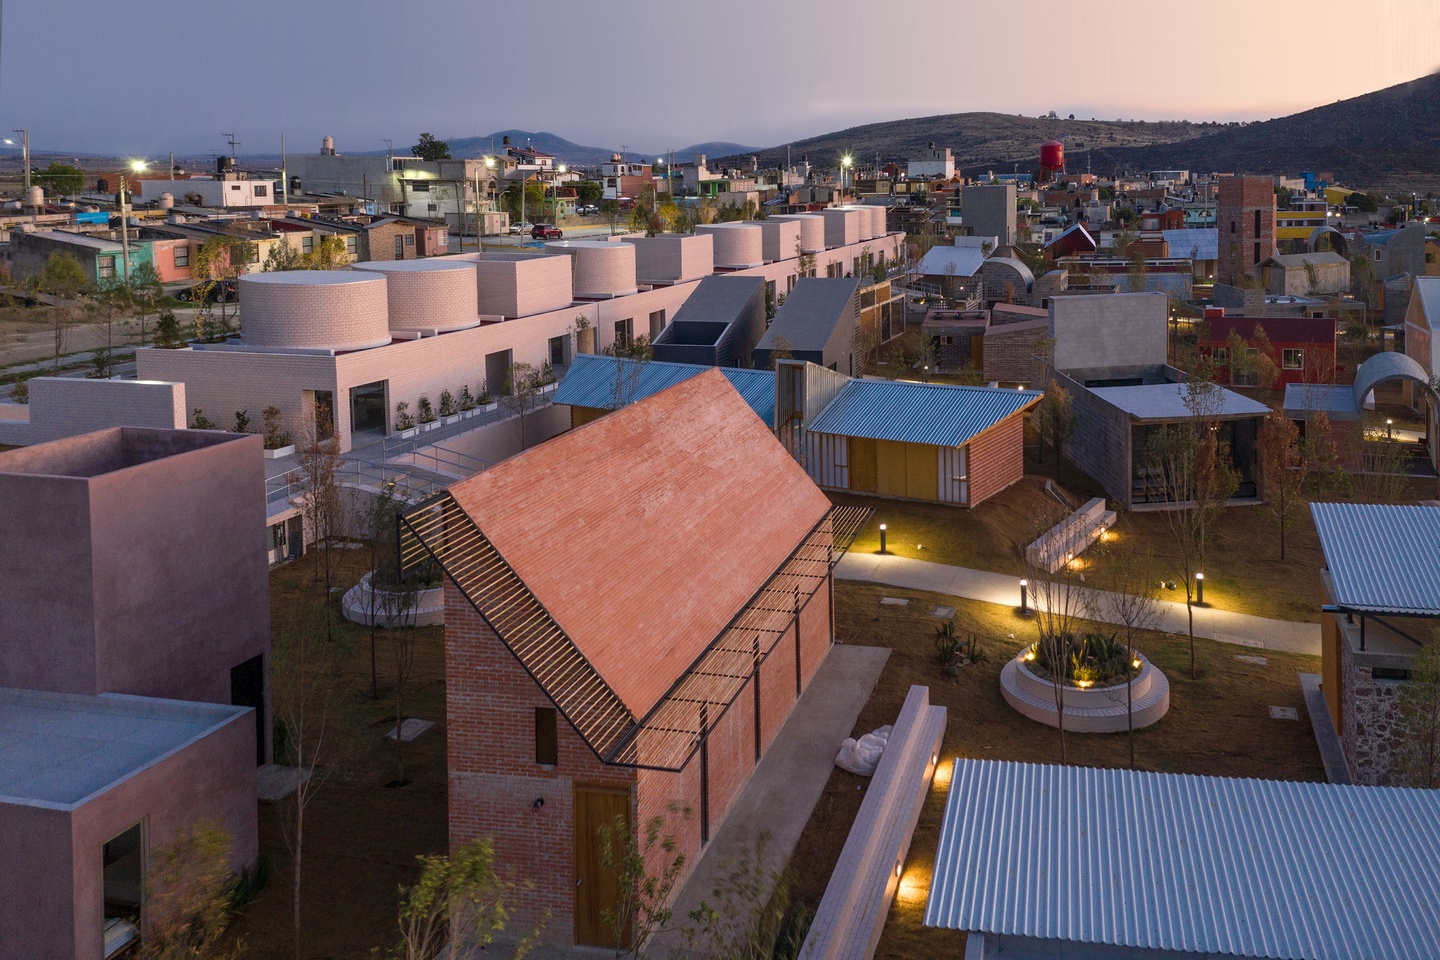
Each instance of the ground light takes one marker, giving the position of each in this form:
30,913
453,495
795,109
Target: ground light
882,538
1024,598
1199,588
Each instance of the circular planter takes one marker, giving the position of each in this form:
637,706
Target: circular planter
429,609
1087,710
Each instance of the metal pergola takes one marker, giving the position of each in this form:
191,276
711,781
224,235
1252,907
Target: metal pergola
677,726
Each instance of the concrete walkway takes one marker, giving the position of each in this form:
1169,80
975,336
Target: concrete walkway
998,588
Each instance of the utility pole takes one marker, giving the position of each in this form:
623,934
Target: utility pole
230,139
172,164
284,175
24,153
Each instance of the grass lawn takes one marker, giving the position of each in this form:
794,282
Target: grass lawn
1219,725
361,836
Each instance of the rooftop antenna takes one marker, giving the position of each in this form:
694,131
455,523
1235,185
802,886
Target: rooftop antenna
230,139
389,147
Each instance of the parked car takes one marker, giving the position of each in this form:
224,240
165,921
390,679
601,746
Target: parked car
230,287
546,231
518,228
587,210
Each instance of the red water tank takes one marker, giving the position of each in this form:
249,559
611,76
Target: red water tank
1052,156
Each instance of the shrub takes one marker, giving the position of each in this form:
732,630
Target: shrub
403,419
20,393
199,421
427,412
242,421
467,399
485,398
1090,659
276,436
447,403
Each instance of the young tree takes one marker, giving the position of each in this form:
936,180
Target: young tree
281,257
1417,760
1193,471
110,300
524,396
643,903
632,356
168,335
220,260
1322,455
431,148
1130,599
1056,420
1282,469
1060,601
63,278
748,915
456,907
309,690
321,499
188,897
145,292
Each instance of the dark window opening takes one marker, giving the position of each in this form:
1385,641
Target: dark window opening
1389,673
547,736
247,686
122,863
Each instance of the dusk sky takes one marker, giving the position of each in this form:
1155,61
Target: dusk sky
146,76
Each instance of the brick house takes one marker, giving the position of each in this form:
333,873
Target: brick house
577,699
1302,348
1380,591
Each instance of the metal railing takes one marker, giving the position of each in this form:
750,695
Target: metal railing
444,461
429,434
290,486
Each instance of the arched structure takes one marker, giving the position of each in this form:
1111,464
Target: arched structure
1338,241
1389,366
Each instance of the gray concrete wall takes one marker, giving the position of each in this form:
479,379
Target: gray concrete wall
1111,330
1100,441
988,210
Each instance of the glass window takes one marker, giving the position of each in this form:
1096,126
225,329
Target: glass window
1292,359
105,267
352,246
307,244
261,190
182,255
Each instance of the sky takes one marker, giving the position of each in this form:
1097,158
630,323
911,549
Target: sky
142,77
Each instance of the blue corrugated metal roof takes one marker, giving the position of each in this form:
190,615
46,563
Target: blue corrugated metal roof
1336,401
1197,243
591,382
917,412
1203,865
1382,558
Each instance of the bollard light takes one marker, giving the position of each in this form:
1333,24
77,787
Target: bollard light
1024,598
882,538
1200,588
1388,433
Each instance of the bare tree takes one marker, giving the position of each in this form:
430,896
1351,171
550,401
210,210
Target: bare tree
309,693
380,521
1060,602
631,357
524,396
643,902
1282,469
1191,467
321,500
1056,420
398,609
1130,600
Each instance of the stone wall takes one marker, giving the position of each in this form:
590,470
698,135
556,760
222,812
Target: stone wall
1371,719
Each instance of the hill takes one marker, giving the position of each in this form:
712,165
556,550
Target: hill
997,140
577,154
1389,139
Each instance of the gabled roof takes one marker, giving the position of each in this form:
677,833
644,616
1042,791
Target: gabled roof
938,414
1427,291
1076,231
808,317
645,532
1208,866
951,261
598,381
1297,261
1336,401
1382,558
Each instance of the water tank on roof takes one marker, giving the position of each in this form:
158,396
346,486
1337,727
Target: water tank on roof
35,197
316,309
167,200
327,146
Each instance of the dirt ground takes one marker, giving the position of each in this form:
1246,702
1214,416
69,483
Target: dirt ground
362,836
1218,725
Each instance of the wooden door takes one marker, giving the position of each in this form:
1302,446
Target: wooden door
597,889
862,465
890,469
922,471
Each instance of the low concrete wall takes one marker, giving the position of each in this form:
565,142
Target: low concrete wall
428,610
1092,710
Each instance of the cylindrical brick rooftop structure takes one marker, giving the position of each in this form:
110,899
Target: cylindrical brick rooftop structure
315,309
428,294
601,269
781,239
812,230
877,219
842,226
864,218
736,244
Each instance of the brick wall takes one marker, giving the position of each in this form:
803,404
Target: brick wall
842,227
996,458
737,244
1009,354
380,241
780,238
671,258
1100,442
288,310
1239,199
812,230
494,780
443,297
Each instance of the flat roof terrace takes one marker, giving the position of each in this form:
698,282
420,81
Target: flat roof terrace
57,750
106,451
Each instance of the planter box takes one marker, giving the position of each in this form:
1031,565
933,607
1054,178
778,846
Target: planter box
452,419
279,452
1092,710
427,427
467,414
407,434
491,407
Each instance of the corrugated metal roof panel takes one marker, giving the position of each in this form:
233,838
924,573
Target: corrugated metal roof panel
595,381
1201,243
1206,865
1336,401
951,261
917,412
1381,557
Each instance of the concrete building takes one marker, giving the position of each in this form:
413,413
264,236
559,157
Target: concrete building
1306,274
1380,598
62,407
816,323
935,162
989,211
953,272
90,788
1245,219
1109,334
1038,862
101,258
902,440
562,717
231,191
718,326
118,524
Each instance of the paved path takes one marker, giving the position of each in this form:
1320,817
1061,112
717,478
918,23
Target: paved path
998,588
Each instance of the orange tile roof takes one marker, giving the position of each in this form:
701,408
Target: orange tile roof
645,532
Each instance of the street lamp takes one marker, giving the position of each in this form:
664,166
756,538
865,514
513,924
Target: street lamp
24,152
1388,432
845,163
136,166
